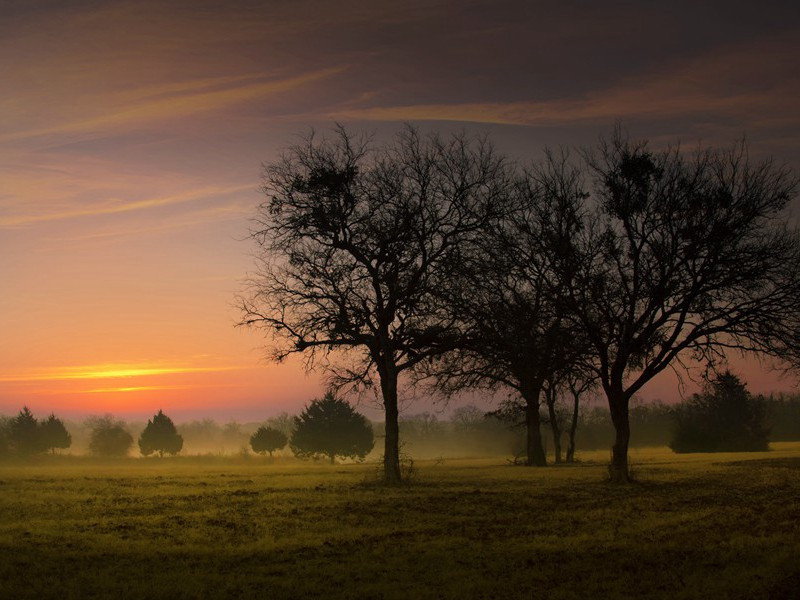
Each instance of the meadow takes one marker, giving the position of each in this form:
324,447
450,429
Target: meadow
711,525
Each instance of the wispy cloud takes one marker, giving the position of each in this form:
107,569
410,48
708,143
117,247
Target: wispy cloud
706,85
175,100
120,206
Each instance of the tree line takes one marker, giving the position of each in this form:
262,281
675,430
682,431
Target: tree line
439,260
722,417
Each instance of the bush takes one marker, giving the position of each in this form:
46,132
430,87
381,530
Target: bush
331,427
160,436
724,418
267,439
109,437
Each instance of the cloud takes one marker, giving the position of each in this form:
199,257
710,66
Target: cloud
743,82
171,101
119,206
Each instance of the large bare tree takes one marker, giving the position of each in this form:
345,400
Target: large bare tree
509,297
684,255
355,246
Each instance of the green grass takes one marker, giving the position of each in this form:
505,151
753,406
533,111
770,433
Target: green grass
713,526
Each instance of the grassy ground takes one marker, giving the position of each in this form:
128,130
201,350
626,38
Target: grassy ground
711,526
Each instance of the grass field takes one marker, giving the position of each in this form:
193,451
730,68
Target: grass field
693,526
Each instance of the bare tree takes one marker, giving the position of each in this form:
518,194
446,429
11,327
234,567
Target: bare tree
579,382
509,296
355,244
684,254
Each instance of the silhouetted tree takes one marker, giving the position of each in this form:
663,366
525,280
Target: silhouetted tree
54,434
160,436
355,244
267,439
682,253
284,422
508,293
331,427
579,380
724,418
109,437
25,434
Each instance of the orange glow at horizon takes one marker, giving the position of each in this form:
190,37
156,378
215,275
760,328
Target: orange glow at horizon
111,370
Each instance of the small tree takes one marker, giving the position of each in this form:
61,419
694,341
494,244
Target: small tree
160,436
25,435
267,439
54,434
724,418
331,427
109,437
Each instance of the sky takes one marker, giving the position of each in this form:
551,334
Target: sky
133,134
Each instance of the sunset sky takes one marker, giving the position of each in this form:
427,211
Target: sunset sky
132,135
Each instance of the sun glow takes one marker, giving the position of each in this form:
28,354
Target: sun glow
108,371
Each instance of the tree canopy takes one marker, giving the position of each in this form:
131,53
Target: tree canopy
160,435
109,437
267,439
54,434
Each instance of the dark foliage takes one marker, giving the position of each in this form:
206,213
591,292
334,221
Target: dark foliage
331,427
25,434
160,436
54,434
109,437
724,418
267,439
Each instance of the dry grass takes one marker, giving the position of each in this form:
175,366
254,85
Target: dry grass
714,525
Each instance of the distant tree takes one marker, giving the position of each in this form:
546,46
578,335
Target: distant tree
354,245
267,439
467,419
724,418
160,436
330,427
5,445
422,426
54,434
284,422
109,437
25,434
681,254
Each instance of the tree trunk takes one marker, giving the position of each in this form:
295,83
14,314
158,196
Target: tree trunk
391,451
573,428
618,405
333,459
535,450
551,411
